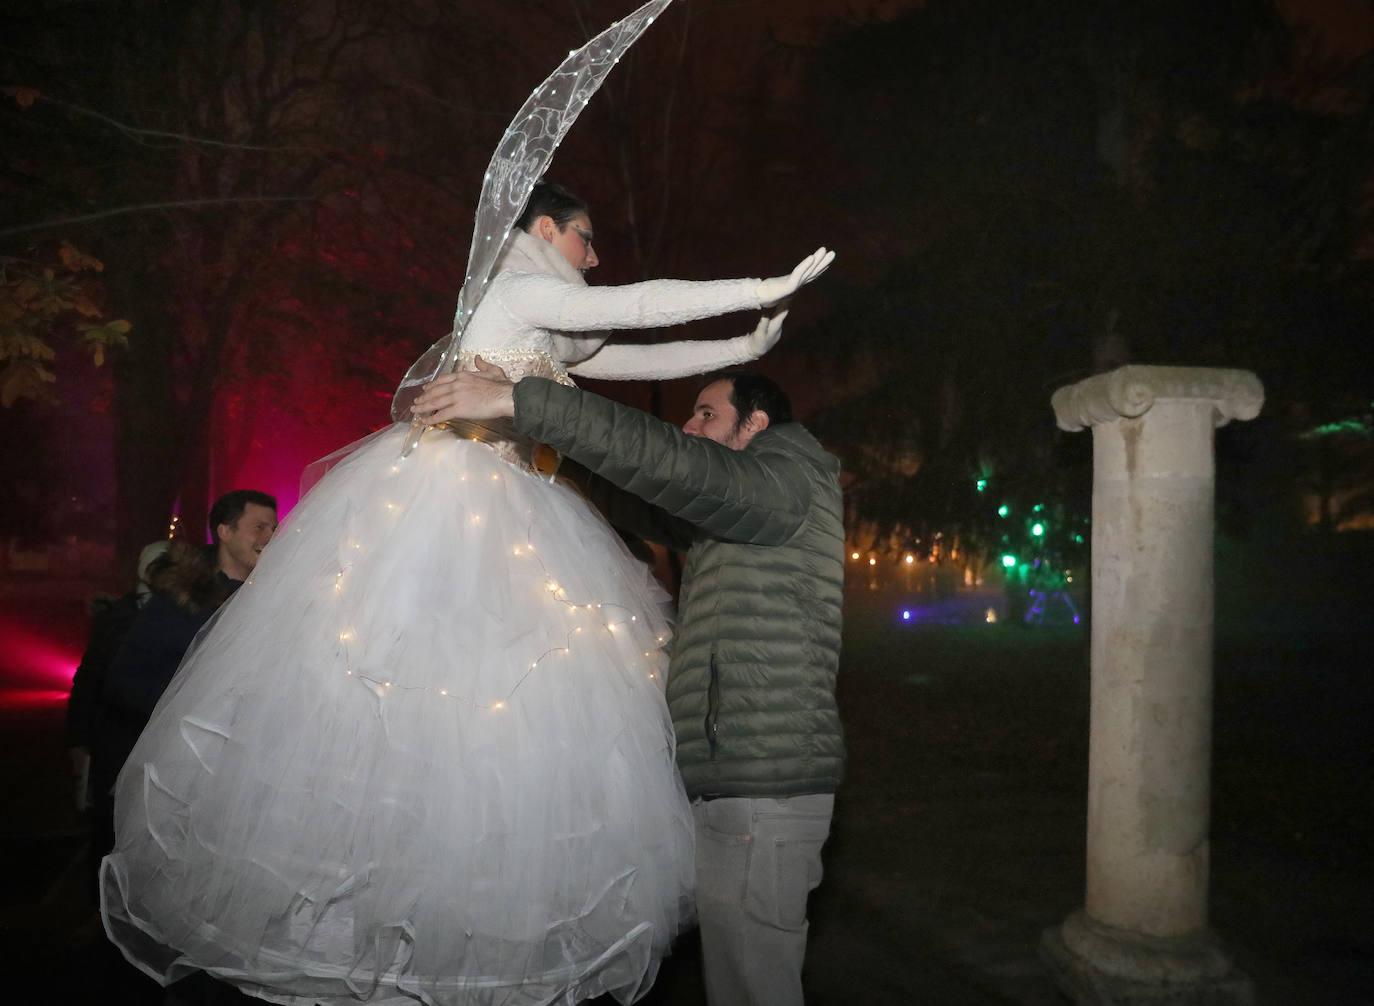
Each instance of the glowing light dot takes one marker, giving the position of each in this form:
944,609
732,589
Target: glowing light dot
345,636
906,616
499,705
443,691
909,559
872,561
853,555
634,618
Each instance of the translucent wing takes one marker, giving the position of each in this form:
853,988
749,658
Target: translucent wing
520,159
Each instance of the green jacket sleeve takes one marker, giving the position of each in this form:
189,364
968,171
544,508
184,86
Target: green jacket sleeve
757,495
625,511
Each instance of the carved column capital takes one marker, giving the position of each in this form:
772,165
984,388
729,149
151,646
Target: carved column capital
1131,391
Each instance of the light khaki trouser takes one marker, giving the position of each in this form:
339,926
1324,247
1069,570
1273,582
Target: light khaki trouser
757,860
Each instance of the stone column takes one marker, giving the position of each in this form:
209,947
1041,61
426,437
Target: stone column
1142,934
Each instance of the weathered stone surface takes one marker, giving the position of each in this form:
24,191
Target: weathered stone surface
1149,750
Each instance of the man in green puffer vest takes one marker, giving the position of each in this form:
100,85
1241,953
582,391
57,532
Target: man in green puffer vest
754,500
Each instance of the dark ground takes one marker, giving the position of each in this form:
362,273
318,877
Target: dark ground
959,832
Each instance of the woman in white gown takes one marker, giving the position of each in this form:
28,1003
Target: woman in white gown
424,754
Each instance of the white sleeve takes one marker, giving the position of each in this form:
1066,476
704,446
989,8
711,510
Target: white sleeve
663,361
550,303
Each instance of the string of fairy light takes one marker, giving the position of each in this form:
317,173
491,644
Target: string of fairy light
550,588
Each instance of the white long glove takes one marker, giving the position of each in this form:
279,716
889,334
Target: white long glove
779,288
766,335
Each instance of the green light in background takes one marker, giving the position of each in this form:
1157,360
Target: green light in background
982,484
1003,510
1008,561
1037,529
1078,538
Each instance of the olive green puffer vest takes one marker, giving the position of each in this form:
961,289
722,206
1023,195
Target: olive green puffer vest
751,684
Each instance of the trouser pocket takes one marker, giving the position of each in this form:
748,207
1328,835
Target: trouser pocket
761,858
785,863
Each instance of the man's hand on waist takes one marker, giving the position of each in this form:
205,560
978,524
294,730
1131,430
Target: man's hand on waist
485,393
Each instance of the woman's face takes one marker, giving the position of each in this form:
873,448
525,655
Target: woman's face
573,240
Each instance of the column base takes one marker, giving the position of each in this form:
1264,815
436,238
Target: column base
1097,965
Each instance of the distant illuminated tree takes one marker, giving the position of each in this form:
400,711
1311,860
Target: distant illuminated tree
1338,472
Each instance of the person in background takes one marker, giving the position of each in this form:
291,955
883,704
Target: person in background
186,584
111,619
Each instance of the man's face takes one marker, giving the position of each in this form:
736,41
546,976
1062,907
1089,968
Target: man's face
241,542
714,417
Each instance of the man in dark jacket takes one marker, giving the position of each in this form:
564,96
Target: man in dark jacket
755,501
188,584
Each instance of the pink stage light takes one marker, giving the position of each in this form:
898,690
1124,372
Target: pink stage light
29,699
35,663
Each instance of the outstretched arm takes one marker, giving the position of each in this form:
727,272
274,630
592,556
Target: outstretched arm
665,360
549,303
760,495
755,495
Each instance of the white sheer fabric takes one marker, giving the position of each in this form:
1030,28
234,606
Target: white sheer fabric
421,755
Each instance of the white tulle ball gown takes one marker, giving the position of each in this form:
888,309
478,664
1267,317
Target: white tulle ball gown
421,755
